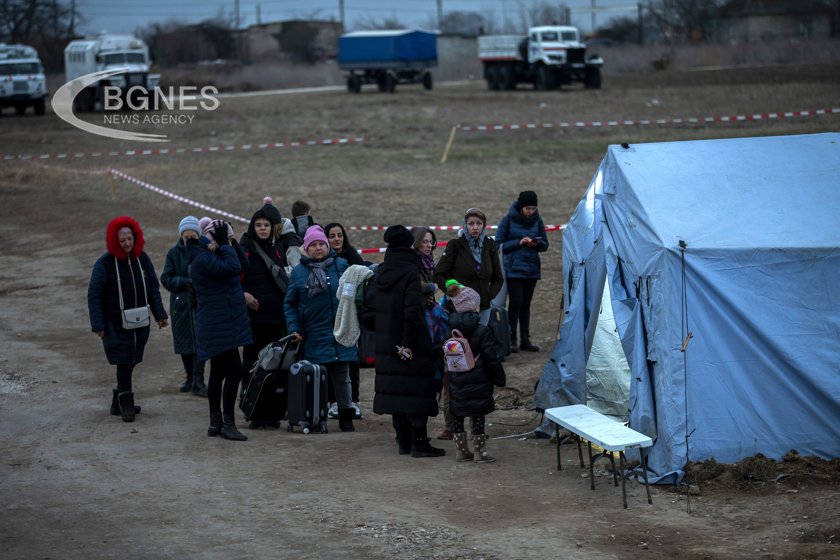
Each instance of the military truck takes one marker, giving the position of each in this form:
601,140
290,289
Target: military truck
22,81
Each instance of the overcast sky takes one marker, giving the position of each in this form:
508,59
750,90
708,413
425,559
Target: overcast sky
125,16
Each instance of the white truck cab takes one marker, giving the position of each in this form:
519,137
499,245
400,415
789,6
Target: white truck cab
105,52
548,56
22,81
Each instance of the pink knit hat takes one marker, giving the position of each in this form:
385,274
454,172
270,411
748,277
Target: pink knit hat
210,226
314,233
466,300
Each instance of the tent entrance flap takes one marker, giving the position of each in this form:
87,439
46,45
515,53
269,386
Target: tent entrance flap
607,370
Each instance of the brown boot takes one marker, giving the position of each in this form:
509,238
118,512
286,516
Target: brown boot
481,455
463,451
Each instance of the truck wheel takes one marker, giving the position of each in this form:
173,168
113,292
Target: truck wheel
545,79
507,78
427,81
493,78
353,84
382,82
390,83
40,106
592,80
20,109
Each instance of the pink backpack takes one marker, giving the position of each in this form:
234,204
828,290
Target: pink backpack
457,353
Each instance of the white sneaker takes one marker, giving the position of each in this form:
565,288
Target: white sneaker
358,411
333,411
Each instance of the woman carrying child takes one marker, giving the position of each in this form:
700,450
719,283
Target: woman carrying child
471,392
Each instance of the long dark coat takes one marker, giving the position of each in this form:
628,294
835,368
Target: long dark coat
402,387
471,392
258,280
123,346
175,278
521,261
221,320
457,262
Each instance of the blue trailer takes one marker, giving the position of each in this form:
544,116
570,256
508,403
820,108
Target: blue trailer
387,58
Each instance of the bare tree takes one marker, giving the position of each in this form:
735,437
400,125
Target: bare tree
463,23
682,20
368,22
541,13
47,25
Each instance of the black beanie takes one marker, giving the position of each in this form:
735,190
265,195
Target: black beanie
271,212
398,236
527,198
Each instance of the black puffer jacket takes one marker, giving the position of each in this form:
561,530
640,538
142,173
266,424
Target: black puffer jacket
402,387
258,281
471,392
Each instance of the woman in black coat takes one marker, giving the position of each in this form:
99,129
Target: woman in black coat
405,378
263,295
175,278
123,278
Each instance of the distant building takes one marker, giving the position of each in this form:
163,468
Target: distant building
742,21
293,40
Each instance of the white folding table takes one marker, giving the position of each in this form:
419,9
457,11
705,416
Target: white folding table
612,436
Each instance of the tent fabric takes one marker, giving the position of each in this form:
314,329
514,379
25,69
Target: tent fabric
737,242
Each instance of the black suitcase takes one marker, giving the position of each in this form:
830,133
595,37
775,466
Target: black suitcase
263,399
501,330
307,397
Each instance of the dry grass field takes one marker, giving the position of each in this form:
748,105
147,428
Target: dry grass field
78,483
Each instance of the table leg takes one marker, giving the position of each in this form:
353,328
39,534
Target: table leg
591,470
557,439
580,451
623,489
612,461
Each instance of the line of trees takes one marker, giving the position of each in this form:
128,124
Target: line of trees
47,25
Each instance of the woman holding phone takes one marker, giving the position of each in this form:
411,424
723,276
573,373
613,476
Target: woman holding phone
521,235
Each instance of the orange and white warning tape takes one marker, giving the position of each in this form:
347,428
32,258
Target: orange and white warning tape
200,150
646,122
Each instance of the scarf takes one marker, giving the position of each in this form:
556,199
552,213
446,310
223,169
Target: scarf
317,281
427,265
475,246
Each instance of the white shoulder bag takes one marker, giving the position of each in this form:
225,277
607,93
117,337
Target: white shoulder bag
135,317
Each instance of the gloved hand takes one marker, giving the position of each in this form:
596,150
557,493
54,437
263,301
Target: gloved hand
220,232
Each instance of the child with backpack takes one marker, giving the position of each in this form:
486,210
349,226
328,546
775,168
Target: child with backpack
474,369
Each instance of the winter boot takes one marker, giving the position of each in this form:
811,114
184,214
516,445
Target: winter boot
229,430
126,402
345,419
115,404
199,389
215,429
526,344
403,437
420,444
513,347
186,386
463,450
481,455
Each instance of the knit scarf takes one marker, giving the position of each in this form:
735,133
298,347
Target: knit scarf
317,281
427,265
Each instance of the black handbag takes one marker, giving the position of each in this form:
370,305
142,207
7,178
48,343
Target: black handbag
278,273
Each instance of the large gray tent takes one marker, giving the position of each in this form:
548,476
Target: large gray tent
723,263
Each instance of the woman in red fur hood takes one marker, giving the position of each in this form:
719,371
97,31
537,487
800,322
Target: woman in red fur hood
124,279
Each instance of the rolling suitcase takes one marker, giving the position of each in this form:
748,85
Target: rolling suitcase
501,330
263,399
307,397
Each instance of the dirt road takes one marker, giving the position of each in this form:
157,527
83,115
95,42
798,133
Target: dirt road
78,483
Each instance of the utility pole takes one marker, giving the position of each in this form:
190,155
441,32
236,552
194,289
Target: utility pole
259,19
341,15
238,35
439,13
593,17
